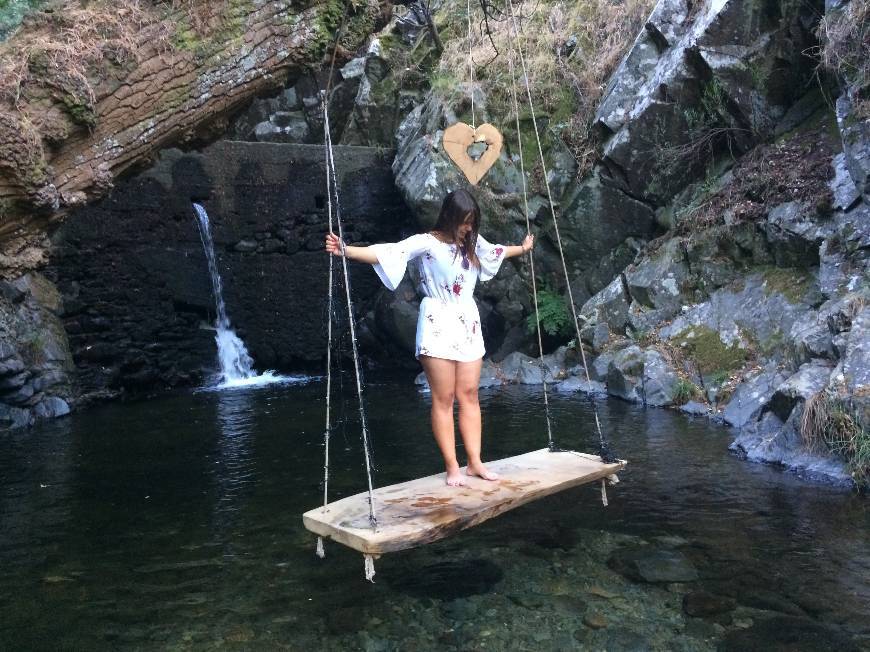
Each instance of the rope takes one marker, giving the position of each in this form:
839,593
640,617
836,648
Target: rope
604,449
356,362
550,443
332,190
319,550
470,63
326,431
369,566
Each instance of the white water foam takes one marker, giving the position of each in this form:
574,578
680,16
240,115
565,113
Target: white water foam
236,364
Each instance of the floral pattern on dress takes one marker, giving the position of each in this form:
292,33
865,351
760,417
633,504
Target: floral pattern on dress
448,325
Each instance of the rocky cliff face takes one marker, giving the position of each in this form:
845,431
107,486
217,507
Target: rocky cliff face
88,90
719,248
35,357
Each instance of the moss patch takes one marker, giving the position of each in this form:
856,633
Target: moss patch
704,347
790,282
190,37
359,24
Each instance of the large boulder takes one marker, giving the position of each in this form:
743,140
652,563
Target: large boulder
609,306
382,101
596,221
625,373
844,257
657,281
660,380
728,66
794,235
811,378
773,441
758,315
843,187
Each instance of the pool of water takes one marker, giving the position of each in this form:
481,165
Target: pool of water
175,523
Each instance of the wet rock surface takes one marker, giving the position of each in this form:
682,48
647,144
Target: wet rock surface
36,379
649,564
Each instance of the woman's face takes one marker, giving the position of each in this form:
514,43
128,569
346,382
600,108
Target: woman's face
466,226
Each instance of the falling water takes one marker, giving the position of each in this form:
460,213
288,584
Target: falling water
236,364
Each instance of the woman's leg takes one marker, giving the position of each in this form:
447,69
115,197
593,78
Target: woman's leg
467,381
441,375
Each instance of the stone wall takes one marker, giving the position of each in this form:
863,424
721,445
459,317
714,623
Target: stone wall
137,300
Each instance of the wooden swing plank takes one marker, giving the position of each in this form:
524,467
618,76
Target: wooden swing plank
421,511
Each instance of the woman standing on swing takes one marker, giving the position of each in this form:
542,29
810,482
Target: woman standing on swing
451,258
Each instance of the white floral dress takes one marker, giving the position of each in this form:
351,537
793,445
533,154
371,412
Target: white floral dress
449,323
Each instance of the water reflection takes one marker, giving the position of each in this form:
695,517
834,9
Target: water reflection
235,468
175,524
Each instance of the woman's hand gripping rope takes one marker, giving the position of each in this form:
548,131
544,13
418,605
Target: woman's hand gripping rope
336,247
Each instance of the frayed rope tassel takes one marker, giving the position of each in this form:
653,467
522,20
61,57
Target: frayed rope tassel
604,492
370,568
319,551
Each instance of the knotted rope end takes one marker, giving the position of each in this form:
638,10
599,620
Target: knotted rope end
369,563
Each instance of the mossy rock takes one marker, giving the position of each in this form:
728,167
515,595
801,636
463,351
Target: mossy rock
792,283
706,349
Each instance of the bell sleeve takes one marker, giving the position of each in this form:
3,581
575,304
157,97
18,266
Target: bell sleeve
393,258
490,256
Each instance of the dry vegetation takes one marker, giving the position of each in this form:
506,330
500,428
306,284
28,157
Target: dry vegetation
829,424
845,37
571,49
67,40
47,76
795,169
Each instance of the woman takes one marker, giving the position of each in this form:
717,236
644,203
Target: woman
451,258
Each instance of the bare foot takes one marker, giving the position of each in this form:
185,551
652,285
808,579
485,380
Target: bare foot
481,471
454,478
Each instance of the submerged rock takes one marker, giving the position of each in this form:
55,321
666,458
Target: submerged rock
654,565
702,604
784,633
577,384
696,409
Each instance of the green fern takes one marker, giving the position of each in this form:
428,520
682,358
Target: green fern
553,312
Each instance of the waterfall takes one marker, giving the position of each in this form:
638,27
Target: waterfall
236,363
237,367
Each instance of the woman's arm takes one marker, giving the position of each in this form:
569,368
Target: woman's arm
519,250
361,254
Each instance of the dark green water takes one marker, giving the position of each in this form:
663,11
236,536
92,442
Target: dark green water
175,524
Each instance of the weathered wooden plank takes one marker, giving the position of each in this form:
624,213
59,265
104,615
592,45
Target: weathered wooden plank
421,511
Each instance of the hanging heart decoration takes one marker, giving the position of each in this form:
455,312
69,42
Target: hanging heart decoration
460,136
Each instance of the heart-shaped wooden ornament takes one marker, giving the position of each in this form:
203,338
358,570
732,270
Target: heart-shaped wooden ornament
460,136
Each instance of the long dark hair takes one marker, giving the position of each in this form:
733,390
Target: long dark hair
457,207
